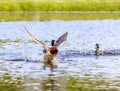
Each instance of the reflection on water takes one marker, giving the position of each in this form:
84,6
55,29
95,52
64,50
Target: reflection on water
83,74
91,84
10,83
43,16
21,67
52,83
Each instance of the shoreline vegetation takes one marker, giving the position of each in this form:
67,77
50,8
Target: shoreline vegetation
60,5
17,10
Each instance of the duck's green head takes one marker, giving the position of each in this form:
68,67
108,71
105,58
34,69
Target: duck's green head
97,47
53,42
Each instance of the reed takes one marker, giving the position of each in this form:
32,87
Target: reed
59,5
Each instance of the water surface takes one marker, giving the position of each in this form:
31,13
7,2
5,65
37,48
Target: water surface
56,15
78,69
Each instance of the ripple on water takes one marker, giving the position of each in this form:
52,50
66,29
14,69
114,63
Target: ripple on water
78,68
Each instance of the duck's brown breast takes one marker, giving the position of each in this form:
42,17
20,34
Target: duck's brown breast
53,50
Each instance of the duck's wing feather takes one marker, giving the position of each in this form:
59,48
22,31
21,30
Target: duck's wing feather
34,39
61,39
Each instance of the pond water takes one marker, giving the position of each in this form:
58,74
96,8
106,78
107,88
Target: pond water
21,67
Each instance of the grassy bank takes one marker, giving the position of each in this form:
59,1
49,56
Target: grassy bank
59,5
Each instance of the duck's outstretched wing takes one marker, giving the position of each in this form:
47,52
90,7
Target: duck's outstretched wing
34,39
61,39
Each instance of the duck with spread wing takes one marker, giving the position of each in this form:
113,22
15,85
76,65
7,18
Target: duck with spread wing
50,52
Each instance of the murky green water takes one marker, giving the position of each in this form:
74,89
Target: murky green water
42,16
27,76
21,67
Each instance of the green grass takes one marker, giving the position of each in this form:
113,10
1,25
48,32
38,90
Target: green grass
59,5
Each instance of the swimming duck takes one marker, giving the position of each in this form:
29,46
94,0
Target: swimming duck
101,52
96,49
50,52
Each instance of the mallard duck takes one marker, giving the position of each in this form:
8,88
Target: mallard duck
101,52
96,49
52,44
50,52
